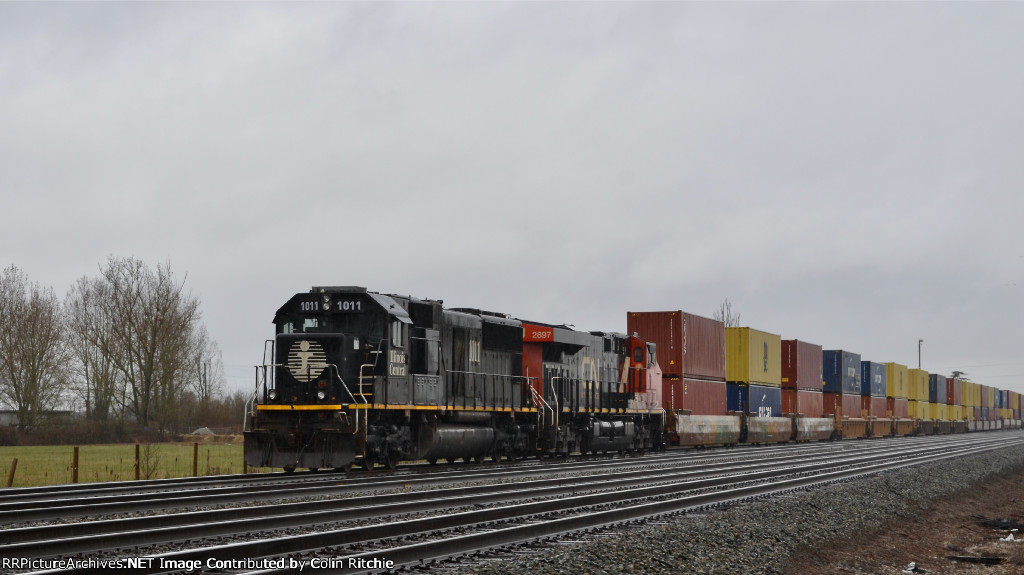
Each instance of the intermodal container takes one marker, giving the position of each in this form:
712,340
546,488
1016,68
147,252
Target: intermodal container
847,402
917,409
872,406
872,379
804,402
939,411
897,380
936,388
954,387
755,400
898,407
689,346
801,365
917,389
840,371
753,356
698,396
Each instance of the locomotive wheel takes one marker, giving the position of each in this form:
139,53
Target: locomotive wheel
289,469
314,469
432,461
390,461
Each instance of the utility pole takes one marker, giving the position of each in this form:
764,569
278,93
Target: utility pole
919,342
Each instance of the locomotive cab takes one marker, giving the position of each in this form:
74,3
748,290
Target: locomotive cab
337,351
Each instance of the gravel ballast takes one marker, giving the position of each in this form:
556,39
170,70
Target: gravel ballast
757,537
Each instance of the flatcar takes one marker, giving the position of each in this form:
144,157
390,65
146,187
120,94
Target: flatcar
355,377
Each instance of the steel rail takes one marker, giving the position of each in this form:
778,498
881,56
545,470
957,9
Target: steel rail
50,540
825,472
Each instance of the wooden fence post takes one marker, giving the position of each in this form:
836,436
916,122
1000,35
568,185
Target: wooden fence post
10,476
138,468
74,467
195,460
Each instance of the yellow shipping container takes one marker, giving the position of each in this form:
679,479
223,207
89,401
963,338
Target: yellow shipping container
969,413
917,409
917,388
972,394
939,411
753,356
896,380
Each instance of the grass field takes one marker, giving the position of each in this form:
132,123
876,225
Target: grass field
52,465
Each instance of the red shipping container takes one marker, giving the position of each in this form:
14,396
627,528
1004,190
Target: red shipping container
898,408
954,387
698,396
807,402
872,406
801,365
849,403
689,346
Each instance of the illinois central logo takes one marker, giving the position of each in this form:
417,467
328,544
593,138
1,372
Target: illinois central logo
306,359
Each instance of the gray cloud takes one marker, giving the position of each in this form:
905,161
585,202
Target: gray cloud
846,173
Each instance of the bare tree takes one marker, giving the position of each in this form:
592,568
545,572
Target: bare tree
724,314
33,355
207,376
141,323
90,330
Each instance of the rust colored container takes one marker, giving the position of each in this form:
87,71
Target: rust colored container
873,406
848,402
801,365
689,346
954,387
698,396
806,402
897,407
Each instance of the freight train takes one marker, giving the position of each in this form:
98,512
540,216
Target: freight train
355,377
358,377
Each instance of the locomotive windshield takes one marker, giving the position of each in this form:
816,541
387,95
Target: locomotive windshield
371,324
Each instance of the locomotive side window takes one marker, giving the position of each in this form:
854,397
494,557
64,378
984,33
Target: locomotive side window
638,355
397,333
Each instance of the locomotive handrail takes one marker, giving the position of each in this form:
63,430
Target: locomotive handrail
554,398
537,397
344,385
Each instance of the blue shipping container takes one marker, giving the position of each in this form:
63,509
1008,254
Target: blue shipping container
754,400
936,388
841,371
872,379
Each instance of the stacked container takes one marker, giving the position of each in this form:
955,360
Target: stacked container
753,371
691,354
897,386
954,390
917,394
872,389
936,389
801,379
840,372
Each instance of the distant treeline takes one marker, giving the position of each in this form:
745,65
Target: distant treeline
125,351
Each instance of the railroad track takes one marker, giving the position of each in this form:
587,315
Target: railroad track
412,526
34,505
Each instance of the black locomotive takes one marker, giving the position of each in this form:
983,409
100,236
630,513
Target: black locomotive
358,377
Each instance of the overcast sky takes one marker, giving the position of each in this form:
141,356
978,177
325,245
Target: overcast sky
848,174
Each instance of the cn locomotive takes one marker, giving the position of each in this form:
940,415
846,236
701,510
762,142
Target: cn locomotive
355,377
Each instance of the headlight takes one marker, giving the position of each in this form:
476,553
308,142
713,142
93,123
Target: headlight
272,394
321,395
